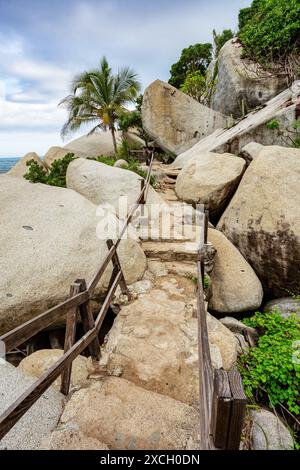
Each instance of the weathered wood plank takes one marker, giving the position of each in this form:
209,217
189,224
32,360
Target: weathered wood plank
238,408
97,276
106,303
88,323
33,393
69,339
117,268
221,409
24,332
205,368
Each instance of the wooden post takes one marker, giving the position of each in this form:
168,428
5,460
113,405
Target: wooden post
238,407
229,404
117,268
205,236
221,406
71,321
88,323
142,187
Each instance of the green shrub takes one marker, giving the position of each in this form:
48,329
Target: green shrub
56,175
107,160
273,124
290,135
36,173
133,165
270,369
270,29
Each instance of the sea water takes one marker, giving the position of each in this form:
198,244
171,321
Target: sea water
6,163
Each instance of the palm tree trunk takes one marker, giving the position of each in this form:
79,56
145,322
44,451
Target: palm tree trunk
113,134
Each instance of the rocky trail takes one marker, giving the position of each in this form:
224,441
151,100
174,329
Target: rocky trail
144,392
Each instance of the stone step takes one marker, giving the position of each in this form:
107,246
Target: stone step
122,415
171,251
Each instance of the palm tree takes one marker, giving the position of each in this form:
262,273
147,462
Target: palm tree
99,97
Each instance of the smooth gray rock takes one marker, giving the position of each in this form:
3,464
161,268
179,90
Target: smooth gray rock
285,306
175,120
39,421
241,84
48,239
268,432
263,219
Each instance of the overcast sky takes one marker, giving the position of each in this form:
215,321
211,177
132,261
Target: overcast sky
43,43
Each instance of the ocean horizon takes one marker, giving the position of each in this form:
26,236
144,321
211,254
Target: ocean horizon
6,163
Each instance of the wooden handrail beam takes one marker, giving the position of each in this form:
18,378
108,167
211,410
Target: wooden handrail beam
24,332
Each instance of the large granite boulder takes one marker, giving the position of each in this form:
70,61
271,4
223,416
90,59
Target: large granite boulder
175,120
47,241
122,415
21,168
210,179
263,218
57,153
235,286
37,363
286,306
101,143
241,84
104,184
284,109
69,438
268,432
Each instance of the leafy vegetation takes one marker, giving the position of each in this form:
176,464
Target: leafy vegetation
195,58
99,97
221,38
198,86
131,165
132,121
271,370
290,135
56,175
270,29
58,170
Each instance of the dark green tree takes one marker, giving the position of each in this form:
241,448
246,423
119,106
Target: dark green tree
132,121
193,58
221,38
270,30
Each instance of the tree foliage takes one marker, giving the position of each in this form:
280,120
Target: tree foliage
198,86
221,38
99,97
132,121
270,29
193,58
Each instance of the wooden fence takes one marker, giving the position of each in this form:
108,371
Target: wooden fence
222,401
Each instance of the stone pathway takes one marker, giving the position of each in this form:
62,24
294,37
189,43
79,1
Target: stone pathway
146,394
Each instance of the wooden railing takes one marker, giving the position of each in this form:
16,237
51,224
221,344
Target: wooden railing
77,303
222,399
